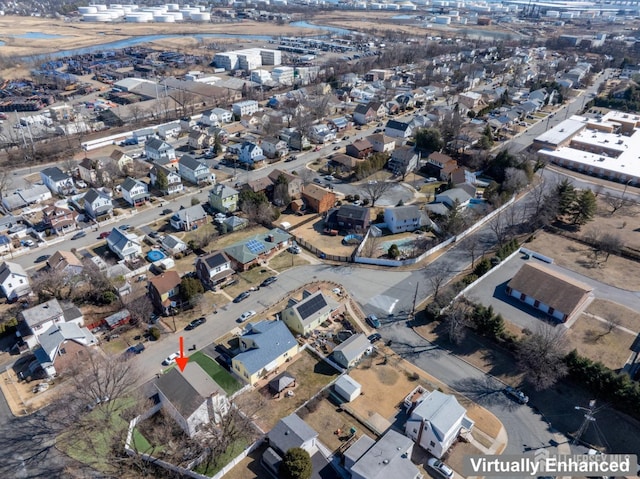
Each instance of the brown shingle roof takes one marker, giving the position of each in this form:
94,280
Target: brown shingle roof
315,192
550,287
166,281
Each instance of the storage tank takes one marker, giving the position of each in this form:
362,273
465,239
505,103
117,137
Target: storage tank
139,17
96,17
89,9
173,7
553,14
201,17
115,14
164,18
177,16
100,7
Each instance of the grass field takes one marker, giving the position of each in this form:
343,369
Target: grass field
232,451
286,260
217,372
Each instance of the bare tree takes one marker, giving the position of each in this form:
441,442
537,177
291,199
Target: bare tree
515,179
472,247
371,246
618,204
139,308
540,355
437,278
610,243
375,189
500,227
52,283
612,322
455,321
306,175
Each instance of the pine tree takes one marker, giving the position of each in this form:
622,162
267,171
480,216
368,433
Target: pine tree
584,208
567,196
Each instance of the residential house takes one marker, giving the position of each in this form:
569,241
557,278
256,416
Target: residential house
365,113
214,268
305,315
250,153
209,118
264,347
14,281
349,218
441,165
290,432
360,149
389,458
59,220
549,291
348,353
173,244
92,171
263,184
403,160
174,182
164,291
223,198
339,124
66,262
234,223
34,321
381,143
462,175
62,345
58,182
471,100
160,152
321,134
97,204
26,196
435,421
192,398
123,162
257,249
246,107
125,245
194,171
188,219
144,134
297,141
134,192
223,116
398,129
343,163
199,140
169,131
5,244
460,195
318,199
294,182
402,218
274,147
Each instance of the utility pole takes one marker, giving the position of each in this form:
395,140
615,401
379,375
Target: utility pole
415,300
589,418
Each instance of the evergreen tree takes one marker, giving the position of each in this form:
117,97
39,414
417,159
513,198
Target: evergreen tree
162,182
296,464
584,208
567,195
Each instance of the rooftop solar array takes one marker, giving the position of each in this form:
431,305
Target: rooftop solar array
255,246
313,305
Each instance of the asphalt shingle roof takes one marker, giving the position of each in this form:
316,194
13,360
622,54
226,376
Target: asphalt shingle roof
272,339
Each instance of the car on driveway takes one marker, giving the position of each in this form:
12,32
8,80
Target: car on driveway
516,394
171,359
269,280
241,297
375,337
78,235
195,323
246,315
294,249
440,468
373,321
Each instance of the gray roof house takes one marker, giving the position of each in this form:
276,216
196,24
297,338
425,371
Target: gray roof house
125,245
60,345
58,182
459,195
192,397
188,218
14,280
403,160
223,198
159,151
402,218
307,314
34,321
134,191
97,204
389,458
251,250
194,171
173,244
348,353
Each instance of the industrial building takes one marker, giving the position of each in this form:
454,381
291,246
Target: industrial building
247,59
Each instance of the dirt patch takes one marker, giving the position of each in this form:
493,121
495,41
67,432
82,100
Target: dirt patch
331,423
312,233
457,453
605,309
286,260
617,271
590,337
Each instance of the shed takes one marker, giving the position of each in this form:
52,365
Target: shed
281,382
118,319
347,388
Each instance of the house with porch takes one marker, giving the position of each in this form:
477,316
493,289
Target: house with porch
125,245
164,291
304,315
97,204
251,153
194,171
188,219
199,140
264,347
34,321
59,220
213,269
223,198
61,346
58,182
134,192
174,182
160,152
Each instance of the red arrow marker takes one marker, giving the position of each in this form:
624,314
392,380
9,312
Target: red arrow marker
182,360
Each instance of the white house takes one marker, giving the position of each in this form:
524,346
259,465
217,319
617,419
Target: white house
224,116
435,421
274,147
58,182
174,182
382,143
192,398
125,245
402,218
349,352
398,129
321,134
250,153
246,107
34,321
160,151
97,204
173,244
169,130
14,281
134,192
213,268
194,171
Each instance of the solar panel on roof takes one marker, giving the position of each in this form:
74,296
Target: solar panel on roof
255,246
313,305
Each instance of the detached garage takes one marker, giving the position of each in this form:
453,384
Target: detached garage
549,291
347,388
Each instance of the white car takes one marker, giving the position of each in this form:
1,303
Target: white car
171,359
440,468
246,315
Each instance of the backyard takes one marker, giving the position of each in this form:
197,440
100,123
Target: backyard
220,375
312,233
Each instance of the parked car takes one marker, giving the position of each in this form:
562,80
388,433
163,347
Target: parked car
28,243
241,297
170,359
195,323
440,468
135,349
78,235
42,258
167,211
375,337
329,178
104,234
124,227
336,148
516,394
269,280
317,180
293,249
373,321
246,315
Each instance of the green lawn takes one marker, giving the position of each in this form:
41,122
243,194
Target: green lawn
224,459
217,372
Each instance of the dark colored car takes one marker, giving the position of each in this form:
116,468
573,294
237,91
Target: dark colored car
241,297
269,280
373,321
195,323
42,258
167,211
516,394
124,227
136,349
104,234
78,235
374,338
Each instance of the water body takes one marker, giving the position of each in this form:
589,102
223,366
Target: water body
403,17
339,31
38,36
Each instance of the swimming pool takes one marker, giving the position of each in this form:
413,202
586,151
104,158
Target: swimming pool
155,255
402,243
